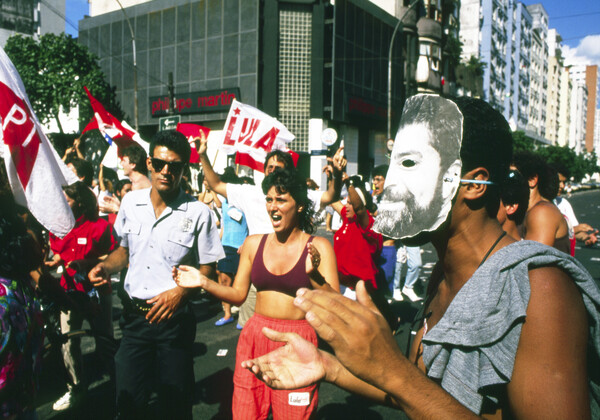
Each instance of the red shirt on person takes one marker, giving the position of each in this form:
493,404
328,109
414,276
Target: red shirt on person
356,250
89,239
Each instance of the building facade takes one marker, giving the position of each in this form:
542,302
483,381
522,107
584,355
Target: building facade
555,70
538,70
518,58
31,18
312,65
591,83
579,106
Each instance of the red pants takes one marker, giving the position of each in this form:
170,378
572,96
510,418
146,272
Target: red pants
252,399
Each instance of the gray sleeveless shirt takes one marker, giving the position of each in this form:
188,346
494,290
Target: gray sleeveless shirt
471,350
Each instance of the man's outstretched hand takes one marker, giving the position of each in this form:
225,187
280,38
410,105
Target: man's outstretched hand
357,332
297,364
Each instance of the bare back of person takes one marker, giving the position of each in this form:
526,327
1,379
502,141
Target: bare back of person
544,223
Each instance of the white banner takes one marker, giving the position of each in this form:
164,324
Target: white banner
252,132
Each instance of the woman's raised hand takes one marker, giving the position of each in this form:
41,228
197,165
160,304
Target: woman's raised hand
188,277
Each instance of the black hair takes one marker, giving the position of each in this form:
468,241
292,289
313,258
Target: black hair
531,164
549,189
380,170
229,176
289,181
561,169
84,170
137,156
281,156
120,184
486,142
515,190
174,141
85,200
358,183
247,180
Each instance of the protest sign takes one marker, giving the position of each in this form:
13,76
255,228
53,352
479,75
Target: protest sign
252,134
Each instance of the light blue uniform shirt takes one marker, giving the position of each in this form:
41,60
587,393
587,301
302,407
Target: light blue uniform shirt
185,233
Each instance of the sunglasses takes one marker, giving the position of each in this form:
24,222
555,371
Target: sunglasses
174,167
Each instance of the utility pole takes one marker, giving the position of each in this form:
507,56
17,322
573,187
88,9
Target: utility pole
135,88
171,94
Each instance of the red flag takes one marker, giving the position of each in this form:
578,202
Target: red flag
111,128
193,132
35,172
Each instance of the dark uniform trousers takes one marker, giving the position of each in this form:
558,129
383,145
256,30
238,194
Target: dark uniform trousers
156,354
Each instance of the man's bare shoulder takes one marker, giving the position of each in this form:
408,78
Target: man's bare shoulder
544,210
549,377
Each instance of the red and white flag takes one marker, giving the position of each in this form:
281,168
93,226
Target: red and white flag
253,134
193,132
35,171
118,134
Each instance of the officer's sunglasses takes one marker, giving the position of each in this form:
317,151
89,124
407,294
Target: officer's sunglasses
174,167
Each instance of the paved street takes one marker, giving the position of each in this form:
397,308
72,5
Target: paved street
214,373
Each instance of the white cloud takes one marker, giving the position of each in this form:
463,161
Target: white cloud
587,52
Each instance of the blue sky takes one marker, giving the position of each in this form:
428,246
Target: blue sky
576,21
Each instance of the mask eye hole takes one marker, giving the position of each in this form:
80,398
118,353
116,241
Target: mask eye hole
408,163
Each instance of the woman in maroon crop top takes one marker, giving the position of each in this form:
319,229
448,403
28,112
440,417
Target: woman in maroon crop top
277,264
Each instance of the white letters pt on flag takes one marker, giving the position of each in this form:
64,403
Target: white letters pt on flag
36,173
252,134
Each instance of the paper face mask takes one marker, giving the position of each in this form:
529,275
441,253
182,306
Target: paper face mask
424,172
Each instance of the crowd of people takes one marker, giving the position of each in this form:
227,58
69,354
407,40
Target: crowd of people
508,324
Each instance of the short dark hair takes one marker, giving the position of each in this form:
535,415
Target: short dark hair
561,169
120,184
172,140
515,190
84,198
137,156
83,169
281,156
549,189
289,181
486,142
531,164
358,183
380,170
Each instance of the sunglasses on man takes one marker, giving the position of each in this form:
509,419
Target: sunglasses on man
174,167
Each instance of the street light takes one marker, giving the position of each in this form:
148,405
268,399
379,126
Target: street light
135,89
389,92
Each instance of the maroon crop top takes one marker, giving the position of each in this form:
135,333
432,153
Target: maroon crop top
287,283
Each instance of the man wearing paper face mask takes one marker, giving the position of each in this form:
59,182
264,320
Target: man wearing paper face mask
506,327
424,168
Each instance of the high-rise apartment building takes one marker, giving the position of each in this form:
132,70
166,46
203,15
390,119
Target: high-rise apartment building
555,69
516,101
564,111
31,18
499,34
579,101
538,70
591,82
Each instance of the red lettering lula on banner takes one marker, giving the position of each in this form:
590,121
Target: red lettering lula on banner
249,131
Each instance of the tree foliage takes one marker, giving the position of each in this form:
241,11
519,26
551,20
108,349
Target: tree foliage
578,165
54,71
522,142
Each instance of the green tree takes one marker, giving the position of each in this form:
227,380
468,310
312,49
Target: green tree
522,142
54,71
578,165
